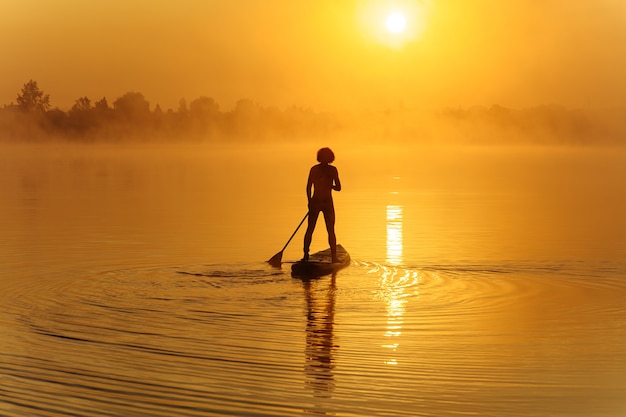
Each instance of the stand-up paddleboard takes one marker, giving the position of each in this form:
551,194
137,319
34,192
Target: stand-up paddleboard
319,264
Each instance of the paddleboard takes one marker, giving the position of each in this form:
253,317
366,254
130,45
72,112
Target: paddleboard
319,264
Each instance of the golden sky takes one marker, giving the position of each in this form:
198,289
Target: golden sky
327,54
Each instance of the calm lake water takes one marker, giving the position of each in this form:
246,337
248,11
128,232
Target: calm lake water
487,282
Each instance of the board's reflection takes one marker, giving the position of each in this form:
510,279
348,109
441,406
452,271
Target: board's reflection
320,346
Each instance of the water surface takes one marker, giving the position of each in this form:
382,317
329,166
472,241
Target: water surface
485,282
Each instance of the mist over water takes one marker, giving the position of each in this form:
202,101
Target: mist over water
157,154
485,280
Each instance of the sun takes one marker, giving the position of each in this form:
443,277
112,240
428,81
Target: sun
395,22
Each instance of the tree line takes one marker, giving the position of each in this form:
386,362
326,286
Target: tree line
32,118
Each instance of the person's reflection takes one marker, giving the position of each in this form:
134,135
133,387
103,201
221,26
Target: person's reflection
320,347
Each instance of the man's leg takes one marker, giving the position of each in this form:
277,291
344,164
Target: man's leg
329,218
308,236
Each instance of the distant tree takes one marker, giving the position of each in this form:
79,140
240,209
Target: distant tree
83,104
203,115
246,108
102,113
102,105
246,119
204,107
132,106
158,117
81,117
182,106
32,99
55,122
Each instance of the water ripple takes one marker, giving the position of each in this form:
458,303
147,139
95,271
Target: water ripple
374,340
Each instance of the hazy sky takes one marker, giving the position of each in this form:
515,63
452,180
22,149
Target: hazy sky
328,54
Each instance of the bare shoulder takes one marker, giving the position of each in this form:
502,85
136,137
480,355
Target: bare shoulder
323,170
319,168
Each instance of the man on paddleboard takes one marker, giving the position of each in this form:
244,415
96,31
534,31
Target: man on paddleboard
323,179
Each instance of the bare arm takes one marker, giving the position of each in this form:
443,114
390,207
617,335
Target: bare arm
337,186
309,186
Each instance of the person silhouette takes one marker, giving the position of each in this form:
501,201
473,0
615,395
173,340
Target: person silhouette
323,179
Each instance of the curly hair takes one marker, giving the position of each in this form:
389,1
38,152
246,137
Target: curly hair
325,155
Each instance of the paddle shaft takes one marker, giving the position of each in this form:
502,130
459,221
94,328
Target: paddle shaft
295,231
276,260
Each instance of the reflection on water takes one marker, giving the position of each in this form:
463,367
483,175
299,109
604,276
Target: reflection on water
394,234
492,287
320,346
397,288
393,294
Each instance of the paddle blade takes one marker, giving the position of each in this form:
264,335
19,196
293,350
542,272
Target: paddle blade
276,260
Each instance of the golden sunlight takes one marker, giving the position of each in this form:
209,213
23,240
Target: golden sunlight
396,22
394,234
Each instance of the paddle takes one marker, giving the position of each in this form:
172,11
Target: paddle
277,259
